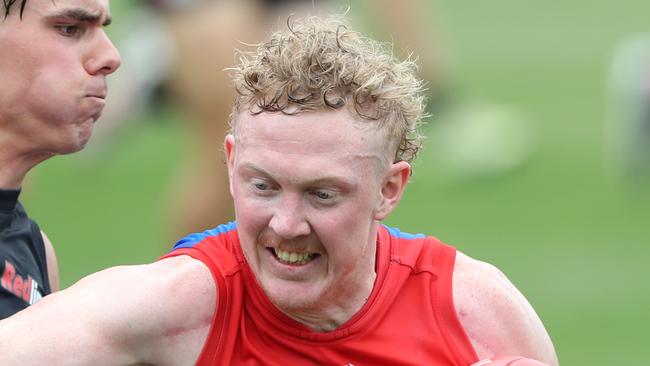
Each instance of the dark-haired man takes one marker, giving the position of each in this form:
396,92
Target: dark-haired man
53,68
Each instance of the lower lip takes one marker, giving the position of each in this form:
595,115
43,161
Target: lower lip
94,107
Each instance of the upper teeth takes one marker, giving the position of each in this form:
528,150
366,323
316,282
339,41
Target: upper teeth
292,257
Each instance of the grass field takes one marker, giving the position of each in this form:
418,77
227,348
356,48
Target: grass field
569,235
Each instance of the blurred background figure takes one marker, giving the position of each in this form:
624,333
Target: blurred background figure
182,48
628,132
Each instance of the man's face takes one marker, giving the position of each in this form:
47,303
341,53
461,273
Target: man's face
307,191
53,72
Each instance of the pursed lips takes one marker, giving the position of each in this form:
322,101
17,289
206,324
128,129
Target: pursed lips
98,98
99,95
97,90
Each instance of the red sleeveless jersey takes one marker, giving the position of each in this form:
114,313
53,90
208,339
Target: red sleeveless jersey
409,318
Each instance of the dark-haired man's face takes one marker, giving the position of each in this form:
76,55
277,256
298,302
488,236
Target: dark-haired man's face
55,59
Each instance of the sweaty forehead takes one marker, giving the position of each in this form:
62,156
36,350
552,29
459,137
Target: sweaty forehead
309,144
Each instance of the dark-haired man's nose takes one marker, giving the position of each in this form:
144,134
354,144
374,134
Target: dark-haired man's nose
104,58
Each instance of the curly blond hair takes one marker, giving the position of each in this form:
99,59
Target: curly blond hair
319,64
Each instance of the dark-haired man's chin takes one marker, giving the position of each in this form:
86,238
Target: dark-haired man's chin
80,138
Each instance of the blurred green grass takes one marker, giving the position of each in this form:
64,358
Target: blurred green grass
567,234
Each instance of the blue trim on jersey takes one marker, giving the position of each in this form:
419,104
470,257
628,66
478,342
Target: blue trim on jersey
193,239
400,235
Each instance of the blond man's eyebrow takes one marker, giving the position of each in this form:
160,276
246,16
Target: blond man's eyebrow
333,179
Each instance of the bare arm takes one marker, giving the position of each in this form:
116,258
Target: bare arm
52,264
158,314
496,316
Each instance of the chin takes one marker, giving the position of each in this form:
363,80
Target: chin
82,138
288,297
72,147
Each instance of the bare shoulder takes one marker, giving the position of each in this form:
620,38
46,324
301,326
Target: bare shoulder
173,283
496,316
187,286
185,298
171,298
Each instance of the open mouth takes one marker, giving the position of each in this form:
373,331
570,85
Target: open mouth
293,258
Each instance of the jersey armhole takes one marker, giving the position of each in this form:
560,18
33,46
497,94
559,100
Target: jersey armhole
218,318
445,310
38,250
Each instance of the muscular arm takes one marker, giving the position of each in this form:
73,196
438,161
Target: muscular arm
496,316
157,314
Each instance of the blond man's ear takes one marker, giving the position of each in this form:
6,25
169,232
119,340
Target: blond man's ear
229,148
392,188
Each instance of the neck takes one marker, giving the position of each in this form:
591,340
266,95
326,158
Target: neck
336,314
15,162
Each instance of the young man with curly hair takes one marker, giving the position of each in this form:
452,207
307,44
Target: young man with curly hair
324,130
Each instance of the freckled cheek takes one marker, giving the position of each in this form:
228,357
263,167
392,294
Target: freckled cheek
349,220
253,211
251,224
329,227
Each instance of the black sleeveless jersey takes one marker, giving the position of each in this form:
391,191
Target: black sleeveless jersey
23,270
